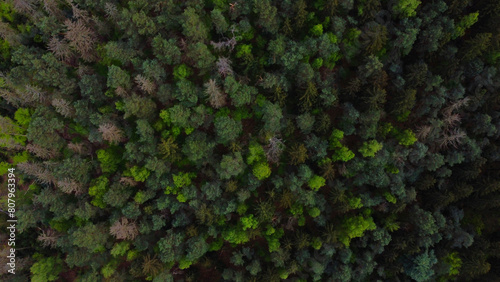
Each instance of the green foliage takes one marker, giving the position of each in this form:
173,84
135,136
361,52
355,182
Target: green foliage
316,182
317,30
342,154
406,138
183,179
235,236
7,12
389,197
296,209
22,116
243,50
314,212
406,8
120,249
421,267
355,203
227,129
118,77
465,23
335,138
249,222
354,227
261,171
97,190
231,165
455,263
46,268
139,173
182,71
370,148
109,159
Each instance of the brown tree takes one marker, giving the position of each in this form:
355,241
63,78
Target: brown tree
122,229
216,97
111,133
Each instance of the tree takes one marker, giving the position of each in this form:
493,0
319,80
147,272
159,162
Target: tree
406,8
224,68
46,268
123,230
272,116
81,38
298,154
231,165
166,50
476,46
111,133
268,17
118,78
374,38
316,182
309,96
219,21
274,149
202,56
354,227
197,147
227,129
421,267
169,149
216,97
193,26
92,237
370,148
261,171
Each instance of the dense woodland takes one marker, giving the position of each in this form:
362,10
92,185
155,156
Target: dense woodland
259,140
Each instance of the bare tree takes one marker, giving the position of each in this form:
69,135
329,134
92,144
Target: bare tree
274,149
63,107
24,6
111,10
455,106
33,94
128,181
216,97
229,44
111,133
60,48
451,120
40,151
52,7
80,37
120,91
78,13
8,34
69,186
41,174
48,237
423,132
145,84
79,148
122,229
452,137
224,66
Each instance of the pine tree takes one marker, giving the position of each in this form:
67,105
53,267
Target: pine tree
298,154
111,133
169,149
124,230
309,96
216,97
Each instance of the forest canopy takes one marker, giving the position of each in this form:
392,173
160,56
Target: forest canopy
260,140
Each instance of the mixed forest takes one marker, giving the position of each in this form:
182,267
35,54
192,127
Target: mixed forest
259,140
